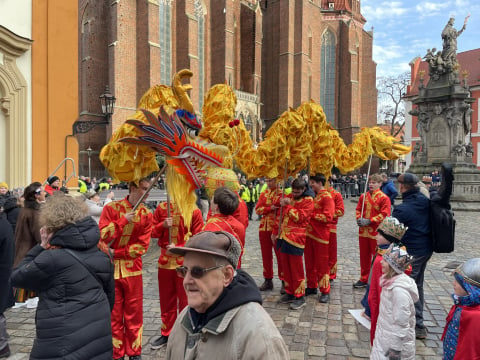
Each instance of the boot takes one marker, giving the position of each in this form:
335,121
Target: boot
282,290
267,285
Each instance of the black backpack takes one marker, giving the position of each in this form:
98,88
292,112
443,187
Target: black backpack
442,220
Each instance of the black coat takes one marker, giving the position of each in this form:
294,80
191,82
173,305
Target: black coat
73,314
7,253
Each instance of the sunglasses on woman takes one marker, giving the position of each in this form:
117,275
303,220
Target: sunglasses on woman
197,272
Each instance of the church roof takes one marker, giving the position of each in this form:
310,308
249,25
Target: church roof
468,60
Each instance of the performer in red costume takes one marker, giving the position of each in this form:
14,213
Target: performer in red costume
170,287
267,210
376,207
127,233
290,232
223,205
332,243
317,241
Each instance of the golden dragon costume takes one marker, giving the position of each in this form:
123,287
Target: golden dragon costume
298,135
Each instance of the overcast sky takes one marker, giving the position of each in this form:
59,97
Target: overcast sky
405,29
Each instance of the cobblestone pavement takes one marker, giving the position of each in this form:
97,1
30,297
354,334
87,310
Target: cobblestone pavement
318,331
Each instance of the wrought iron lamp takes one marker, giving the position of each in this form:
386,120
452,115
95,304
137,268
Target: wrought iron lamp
107,101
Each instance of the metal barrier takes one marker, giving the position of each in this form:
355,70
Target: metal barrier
73,174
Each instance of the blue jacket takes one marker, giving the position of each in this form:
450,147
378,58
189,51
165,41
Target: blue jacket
390,190
414,212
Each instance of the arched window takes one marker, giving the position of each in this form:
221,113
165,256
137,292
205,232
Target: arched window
199,12
165,17
327,76
248,123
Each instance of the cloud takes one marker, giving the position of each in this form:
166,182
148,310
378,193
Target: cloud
383,11
427,8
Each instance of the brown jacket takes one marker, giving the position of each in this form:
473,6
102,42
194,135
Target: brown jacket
27,231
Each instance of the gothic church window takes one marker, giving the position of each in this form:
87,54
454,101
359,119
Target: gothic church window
327,75
165,17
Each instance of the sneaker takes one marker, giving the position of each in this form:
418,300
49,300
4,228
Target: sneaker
298,303
19,305
421,333
5,352
267,285
282,290
135,357
286,299
324,298
32,303
311,291
159,342
360,284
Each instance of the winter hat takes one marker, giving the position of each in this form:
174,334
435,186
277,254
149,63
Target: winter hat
392,229
397,257
52,179
469,272
408,178
4,185
219,243
90,193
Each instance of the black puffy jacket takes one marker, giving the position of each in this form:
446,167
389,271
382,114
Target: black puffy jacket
73,314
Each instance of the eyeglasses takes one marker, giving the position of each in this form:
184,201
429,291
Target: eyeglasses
196,271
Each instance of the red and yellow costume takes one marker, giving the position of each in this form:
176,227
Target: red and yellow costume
332,244
317,240
241,214
170,286
230,224
377,207
291,242
264,208
129,241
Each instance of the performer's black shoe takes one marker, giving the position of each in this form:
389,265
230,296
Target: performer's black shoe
360,284
324,298
298,303
311,291
159,342
267,285
286,299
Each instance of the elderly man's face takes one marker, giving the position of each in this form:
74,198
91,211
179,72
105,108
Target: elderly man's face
203,292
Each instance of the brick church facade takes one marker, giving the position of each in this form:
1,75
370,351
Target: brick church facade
274,53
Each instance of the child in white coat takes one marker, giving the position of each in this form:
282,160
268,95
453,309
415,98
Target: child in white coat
395,333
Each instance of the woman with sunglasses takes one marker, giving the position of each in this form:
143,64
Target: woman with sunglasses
27,235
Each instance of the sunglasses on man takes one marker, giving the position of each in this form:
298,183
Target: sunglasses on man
196,272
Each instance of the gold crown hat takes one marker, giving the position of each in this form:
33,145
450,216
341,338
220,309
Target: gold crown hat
397,257
392,229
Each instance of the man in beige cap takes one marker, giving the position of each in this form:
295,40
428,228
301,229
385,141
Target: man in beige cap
224,317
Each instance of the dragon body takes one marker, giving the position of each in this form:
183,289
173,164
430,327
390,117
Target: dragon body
165,123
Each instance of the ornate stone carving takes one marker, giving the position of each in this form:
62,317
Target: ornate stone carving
5,105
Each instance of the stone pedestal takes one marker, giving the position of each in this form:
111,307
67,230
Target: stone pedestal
443,110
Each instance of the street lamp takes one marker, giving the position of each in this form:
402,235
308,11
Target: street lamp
107,100
89,153
108,103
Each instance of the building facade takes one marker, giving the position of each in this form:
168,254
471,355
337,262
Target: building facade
274,54
470,73
38,89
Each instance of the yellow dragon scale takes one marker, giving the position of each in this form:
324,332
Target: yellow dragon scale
297,135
